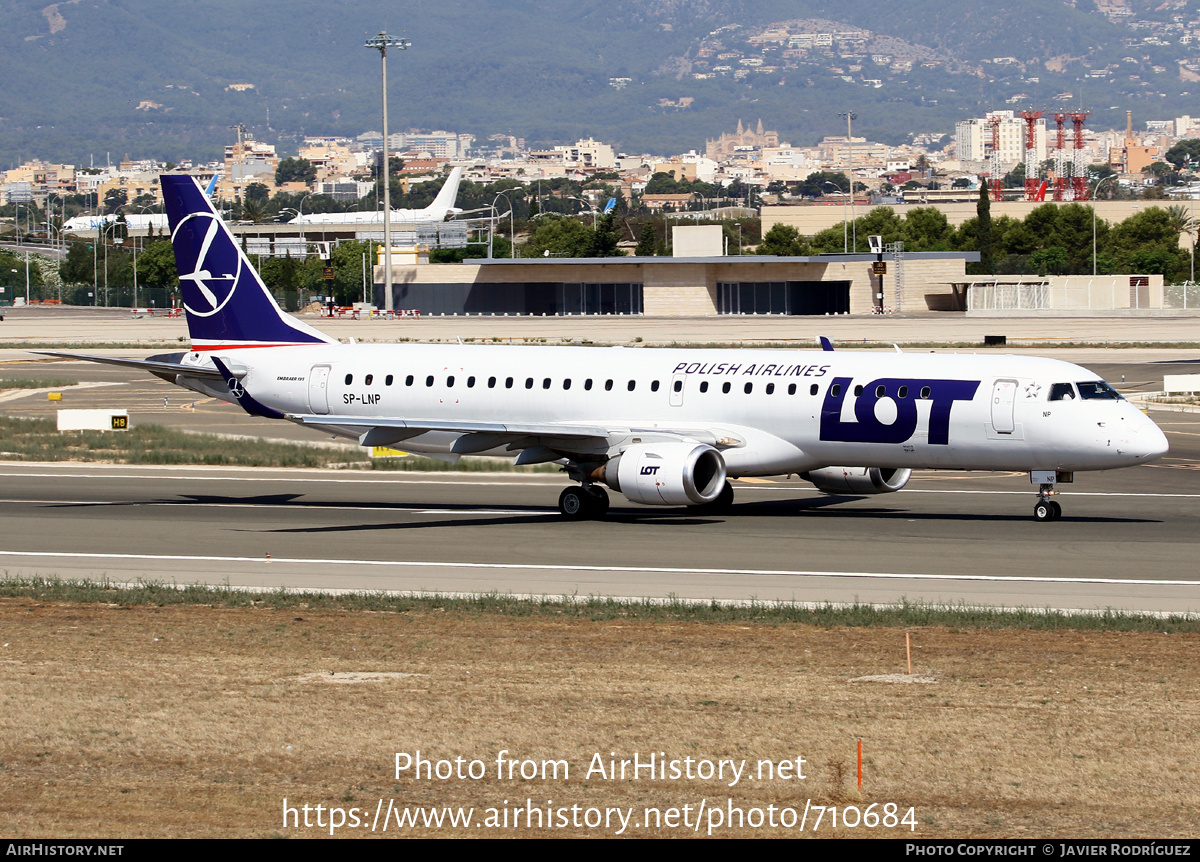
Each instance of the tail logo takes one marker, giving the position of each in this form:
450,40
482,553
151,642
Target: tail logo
208,282
235,388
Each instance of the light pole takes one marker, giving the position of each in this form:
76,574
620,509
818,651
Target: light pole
738,225
1095,189
850,116
512,235
589,208
845,219
381,43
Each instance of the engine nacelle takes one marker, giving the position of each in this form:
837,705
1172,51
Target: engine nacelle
667,474
858,480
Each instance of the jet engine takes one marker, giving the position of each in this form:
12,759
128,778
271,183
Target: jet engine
667,474
858,480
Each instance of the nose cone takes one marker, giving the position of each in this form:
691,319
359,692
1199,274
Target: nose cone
1151,442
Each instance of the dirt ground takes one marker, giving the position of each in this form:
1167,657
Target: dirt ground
199,721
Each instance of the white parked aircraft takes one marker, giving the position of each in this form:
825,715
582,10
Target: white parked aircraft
662,427
442,206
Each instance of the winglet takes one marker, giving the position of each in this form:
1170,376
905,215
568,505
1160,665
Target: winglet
825,343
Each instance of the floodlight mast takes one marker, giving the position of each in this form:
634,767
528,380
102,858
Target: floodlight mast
381,43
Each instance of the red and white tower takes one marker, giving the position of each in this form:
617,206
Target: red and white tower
1032,182
995,172
1079,178
1060,158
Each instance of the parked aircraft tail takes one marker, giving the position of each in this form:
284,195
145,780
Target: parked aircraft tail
443,204
226,302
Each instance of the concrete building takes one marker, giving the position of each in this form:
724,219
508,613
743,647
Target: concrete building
974,140
678,287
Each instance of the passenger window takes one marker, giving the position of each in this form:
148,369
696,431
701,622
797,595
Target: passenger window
632,385
925,391
349,379
703,385
387,381
835,390
607,385
654,386
408,381
491,383
528,382
567,383
508,382
858,390
812,390
1061,392
792,389
450,382
546,383
880,390
470,382
587,384
368,379
902,392
749,388
725,387
429,380
770,388
678,387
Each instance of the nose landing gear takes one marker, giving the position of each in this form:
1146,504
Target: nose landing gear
1046,509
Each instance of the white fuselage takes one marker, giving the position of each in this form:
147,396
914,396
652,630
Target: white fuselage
777,412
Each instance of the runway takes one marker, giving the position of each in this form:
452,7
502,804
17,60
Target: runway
1126,541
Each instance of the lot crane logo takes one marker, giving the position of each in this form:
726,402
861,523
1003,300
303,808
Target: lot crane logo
235,388
207,282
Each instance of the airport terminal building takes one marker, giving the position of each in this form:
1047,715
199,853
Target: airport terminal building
679,286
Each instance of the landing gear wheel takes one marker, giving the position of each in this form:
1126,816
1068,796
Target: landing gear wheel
1042,511
1055,510
599,500
721,505
574,504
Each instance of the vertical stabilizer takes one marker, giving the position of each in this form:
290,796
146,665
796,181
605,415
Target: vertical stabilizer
226,302
444,202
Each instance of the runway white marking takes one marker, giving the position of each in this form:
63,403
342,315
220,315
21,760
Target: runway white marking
399,510
662,570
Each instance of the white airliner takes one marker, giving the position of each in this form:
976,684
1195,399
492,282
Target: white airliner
442,206
662,427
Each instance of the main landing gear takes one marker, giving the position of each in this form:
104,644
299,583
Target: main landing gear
579,503
1046,509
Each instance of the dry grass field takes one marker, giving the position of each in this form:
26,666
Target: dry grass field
199,721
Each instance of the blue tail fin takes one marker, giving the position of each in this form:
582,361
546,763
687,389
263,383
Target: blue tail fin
227,304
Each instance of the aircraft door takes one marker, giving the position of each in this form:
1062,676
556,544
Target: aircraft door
1004,394
318,389
677,384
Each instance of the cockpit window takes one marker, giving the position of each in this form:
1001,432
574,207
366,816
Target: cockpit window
1097,390
1062,391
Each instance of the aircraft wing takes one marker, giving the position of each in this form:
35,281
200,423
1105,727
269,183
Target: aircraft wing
151,365
481,436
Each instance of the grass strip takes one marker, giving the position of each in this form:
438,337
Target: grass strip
37,439
34,382
594,608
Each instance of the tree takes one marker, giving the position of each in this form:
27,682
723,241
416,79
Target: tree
983,231
295,170
256,192
556,236
648,241
782,240
605,238
1184,152
156,265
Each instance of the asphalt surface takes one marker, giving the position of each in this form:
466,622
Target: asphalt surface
1127,539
